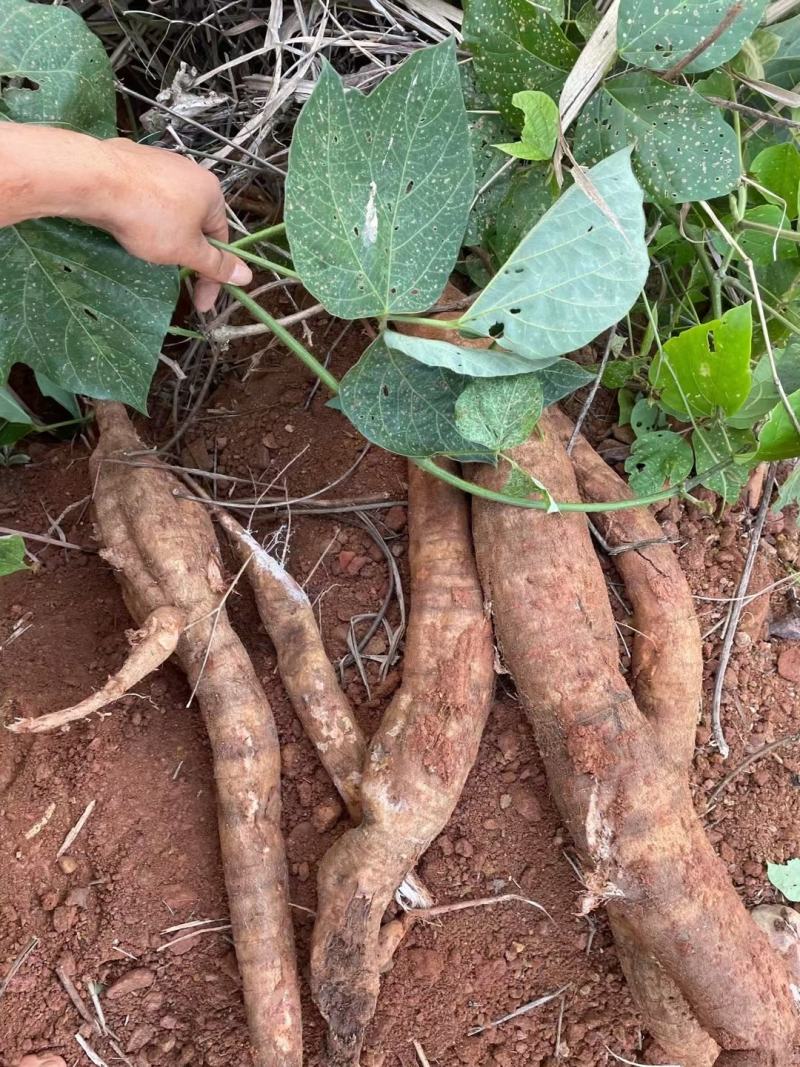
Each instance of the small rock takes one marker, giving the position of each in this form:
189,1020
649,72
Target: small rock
63,918
356,565
508,743
303,871
291,758
41,1059
68,864
153,1002
141,1036
525,803
464,848
446,845
427,964
326,815
346,557
168,1022
78,898
49,900
396,518
505,801
132,981
789,664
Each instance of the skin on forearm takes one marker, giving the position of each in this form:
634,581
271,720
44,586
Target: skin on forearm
46,171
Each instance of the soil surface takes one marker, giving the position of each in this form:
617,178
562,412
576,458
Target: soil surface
147,858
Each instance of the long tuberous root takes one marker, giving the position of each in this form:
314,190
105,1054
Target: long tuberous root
152,645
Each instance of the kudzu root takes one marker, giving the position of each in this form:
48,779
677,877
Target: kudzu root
165,553
626,803
416,764
152,645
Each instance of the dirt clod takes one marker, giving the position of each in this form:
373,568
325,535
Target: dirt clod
132,981
789,665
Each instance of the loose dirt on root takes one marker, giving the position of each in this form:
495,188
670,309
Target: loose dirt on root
147,858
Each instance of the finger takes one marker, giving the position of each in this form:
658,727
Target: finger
217,265
205,294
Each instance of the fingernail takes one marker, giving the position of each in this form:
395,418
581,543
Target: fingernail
242,275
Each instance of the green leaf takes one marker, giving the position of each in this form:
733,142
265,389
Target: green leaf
587,20
516,45
658,457
540,129
762,248
500,412
404,406
64,397
53,48
784,69
777,168
789,491
684,150
713,444
707,367
646,416
526,198
12,409
778,438
763,395
754,53
786,878
523,485
562,378
490,185
472,362
659,33
575,273
11,432
12,555
78,309
379,187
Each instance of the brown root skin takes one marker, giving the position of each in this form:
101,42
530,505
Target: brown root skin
627,806
416,766
306,672
166,554
667,663
667,676
151,646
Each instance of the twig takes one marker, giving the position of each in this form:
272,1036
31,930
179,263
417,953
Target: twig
98,1061
18,962
735,612
194,933
481,902
56,542
592,392
748,761
76,829
77,1000
635,1063
420,1051
727,21
518,1011
754,112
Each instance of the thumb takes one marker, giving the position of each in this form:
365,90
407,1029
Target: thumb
217,265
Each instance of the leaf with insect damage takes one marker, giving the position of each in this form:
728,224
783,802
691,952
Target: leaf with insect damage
713,445
659,33
656,458
500,412
404,406
684,150
379,187
578,271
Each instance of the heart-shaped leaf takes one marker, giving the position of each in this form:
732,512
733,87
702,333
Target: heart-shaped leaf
713,445
659,33
379,187
657,458
516,45
562,378
404,406
472,362
490,184
763,395
777,168
540,129
578,271
12,555
684,149
525,199
500,412
778,438
707,367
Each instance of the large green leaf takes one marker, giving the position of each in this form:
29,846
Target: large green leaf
658,457
562,378
12,555
777,168
715,444
472,362
404,406
763,395
525,199
12,408
578,271
516,45
707,367
684,149
659,33
52,48
490,184
778,438
379,187
79,309
500,413
784,68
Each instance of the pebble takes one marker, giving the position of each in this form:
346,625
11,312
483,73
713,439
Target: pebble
508,743
396,518
78,898
63,918
326,815
140,1037
525,803
132,981
464,848
505,801
41,1059
789,665
291,758
446,845
68,864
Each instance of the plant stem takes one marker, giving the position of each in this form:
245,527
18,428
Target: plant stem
283,335
259,235
257,261
439,324
775,231
332,383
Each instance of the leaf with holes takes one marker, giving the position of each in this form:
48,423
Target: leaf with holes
526,198
646,417
65,74
379,187
540,129
500,412
707,367
562,378
657,458
659,35
777,169
578,271
406,407
713,445
80,310
786,878
492,175
684,149
516,45
778,438
474,362
763,395
12,555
